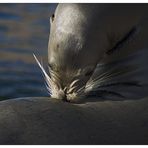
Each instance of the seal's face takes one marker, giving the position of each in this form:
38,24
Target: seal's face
69,68
71,56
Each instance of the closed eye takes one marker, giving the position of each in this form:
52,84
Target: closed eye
122,41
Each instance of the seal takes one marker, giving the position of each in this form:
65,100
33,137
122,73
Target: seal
40,120
86,37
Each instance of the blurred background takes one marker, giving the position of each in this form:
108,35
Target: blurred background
24,30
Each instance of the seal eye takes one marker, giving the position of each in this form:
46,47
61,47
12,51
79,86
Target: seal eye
88,73
52,17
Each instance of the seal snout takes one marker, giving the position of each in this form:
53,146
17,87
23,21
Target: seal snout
65,95
62,94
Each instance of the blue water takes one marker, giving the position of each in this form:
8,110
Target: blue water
24,29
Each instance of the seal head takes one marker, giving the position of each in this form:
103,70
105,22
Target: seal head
71,55
81,35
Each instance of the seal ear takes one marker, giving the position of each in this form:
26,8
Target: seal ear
52,18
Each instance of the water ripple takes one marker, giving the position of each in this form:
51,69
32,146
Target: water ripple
24,29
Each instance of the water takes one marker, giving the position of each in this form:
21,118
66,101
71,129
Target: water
24,29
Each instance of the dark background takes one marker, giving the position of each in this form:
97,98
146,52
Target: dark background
24,30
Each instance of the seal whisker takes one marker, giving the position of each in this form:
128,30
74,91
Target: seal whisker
108,75
71,89
91,83
41,66
81,88
98,79
101,76
49,82
73,83
56,79
49,89
105,75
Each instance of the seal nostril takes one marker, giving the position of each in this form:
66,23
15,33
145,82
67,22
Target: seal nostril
65,99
